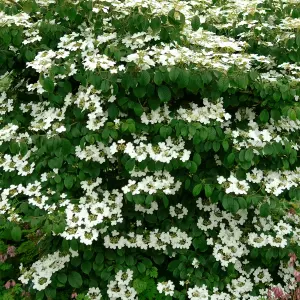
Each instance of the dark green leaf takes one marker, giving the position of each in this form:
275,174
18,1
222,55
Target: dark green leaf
75,279
16,233
164,93
195,23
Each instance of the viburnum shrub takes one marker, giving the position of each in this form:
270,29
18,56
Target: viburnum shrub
149,149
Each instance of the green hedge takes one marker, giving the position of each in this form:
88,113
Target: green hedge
149,149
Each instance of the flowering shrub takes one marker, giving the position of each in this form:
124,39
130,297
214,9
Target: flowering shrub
149,149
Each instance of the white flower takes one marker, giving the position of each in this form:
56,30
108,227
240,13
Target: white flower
166,288
198,293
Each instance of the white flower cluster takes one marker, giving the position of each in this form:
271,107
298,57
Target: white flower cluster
8,132
90,99
163,151
197,293
159,115
172,54
273,182
262,275
160,181
203,114
46,118
43,61
95,208
32,35
178,211
166,287
229,246
176,238
41,271
234,245
120,287
240,286
139,39
20,19
97,153
234,185
94,294
91,58
276,182
257,138
17,163
32,191
153,207
6,105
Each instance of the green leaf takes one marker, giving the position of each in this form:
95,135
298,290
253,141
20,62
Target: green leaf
75,279
154,103
223,84
86,267
165,201
230,158
139,91
164,93
105,86
55,163
57,178
225,145
175,17
292,114
14,147
249,155
62,277
16,233
88,254
68,182
241,80
275,114
144,78
141,267
264,210
139,285
113,111
195,23
149,199
298,39
183,79
72,13
216,146
48,84
193,167
155,24
99,258
264,116
130,164
50,293
173,74
230,204
158,78
173,265
165,131
277,96
208,190
138,109
197,189
197,159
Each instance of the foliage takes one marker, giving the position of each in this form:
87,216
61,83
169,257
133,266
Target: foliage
149,149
